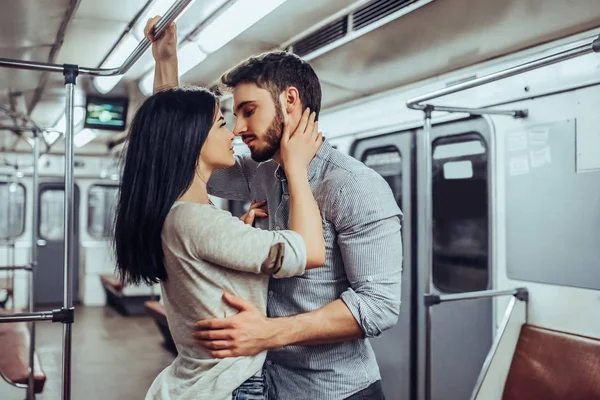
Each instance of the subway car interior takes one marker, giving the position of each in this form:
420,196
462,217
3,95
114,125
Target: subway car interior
463,107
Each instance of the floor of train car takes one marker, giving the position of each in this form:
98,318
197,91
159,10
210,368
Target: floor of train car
114,357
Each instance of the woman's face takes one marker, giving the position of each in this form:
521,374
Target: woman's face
217,151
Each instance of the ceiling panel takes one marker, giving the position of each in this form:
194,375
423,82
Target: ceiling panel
448,35
26,23
288,20
187,23
27,32
110,10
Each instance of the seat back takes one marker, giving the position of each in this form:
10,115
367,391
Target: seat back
552,365
14,355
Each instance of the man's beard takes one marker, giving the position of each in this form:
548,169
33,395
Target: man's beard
271,139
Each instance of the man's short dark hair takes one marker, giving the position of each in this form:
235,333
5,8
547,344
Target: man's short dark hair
276,71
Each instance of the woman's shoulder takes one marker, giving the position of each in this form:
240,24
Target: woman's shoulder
184,212
185,215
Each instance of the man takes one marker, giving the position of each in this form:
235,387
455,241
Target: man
318,324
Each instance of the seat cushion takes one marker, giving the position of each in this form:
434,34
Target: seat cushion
14,355
553,365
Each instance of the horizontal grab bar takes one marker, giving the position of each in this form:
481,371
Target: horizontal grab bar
416,102
433,299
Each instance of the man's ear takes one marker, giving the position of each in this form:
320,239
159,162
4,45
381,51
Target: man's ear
291,99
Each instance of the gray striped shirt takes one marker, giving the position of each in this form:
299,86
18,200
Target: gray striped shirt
363,267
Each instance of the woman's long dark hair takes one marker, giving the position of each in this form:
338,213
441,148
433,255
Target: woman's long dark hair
165,139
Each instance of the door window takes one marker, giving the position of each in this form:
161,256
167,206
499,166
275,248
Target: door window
102,205
12,210
387,161
460,213
52,202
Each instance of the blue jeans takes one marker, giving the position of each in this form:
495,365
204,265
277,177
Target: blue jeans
252,389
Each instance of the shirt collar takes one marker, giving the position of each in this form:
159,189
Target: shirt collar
315,165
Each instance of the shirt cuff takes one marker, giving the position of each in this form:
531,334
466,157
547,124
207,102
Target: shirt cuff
360,311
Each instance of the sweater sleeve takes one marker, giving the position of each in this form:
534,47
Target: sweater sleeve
218,237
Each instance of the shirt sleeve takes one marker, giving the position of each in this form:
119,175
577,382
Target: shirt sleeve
233,183
368,222
216,236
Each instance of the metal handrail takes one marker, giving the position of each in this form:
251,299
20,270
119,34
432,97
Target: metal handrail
434,299
431,300
29,317
495,345
10,382
16,268
176,9
416,102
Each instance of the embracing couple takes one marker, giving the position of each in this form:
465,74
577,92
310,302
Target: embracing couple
278,305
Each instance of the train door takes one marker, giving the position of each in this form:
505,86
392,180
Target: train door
461,332
392,156
48,289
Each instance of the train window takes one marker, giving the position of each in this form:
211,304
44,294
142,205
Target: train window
102,203
387,161
12,210
460,213
52,222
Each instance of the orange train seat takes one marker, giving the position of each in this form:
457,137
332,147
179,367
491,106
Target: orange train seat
14,355
552,365
125,299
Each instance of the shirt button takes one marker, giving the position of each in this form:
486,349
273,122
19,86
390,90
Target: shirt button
270,293
277,227
269,362
286,196
369,279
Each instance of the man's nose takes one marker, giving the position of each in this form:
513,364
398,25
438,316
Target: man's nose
239,127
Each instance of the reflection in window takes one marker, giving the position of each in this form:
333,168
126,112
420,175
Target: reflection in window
12,210
387,161
460,214
102,204
52,202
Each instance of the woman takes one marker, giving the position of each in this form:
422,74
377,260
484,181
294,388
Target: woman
167,231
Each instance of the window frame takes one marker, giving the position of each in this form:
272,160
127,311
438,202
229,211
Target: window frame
102,185
438,163
24,221
391,148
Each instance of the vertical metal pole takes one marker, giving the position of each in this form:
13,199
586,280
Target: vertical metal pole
10,248
70,77
34,227
426,204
